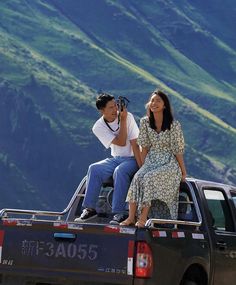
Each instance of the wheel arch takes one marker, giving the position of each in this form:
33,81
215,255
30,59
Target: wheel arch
195,274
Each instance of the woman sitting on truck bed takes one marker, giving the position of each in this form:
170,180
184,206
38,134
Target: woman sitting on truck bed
162,142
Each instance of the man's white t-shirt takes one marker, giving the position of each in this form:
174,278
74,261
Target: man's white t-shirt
106,135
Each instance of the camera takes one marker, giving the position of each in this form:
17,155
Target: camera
122,102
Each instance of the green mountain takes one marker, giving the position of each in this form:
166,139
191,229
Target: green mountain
54,57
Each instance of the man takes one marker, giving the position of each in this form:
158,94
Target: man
119,131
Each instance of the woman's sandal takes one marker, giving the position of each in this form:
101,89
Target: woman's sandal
140,224
127,222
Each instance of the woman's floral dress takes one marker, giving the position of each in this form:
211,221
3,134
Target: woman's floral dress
159,177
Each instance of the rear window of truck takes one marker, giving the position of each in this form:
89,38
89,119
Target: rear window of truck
221,218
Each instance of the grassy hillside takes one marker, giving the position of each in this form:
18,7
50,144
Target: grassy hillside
54,57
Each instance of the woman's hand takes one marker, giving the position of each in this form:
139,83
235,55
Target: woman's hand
180,159
183,178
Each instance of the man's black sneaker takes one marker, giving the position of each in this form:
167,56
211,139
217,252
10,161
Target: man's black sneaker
86,215
118,218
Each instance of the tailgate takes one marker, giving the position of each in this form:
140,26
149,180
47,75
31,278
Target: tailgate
82,252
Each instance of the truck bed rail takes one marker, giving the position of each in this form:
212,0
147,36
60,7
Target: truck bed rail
4,213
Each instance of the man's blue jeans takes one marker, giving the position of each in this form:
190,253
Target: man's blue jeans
122,169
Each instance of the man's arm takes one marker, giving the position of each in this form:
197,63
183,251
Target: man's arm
121,138
136,151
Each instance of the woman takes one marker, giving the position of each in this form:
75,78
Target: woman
162,145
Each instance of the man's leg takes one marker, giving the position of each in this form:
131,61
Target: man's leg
122,176
98,173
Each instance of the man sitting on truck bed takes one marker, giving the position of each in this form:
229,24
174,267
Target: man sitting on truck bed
119,131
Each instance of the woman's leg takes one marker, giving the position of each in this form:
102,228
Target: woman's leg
132,213
143,217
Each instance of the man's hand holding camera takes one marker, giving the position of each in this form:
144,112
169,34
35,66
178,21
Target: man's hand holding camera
122,103
123,114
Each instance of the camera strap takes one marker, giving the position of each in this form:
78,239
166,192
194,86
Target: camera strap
110,126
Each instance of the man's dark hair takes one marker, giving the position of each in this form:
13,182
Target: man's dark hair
102,100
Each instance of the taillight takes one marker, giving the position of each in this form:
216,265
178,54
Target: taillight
144,263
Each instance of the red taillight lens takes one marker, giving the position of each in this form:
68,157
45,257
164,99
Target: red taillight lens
144,264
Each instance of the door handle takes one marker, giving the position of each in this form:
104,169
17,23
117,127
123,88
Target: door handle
64,237
221,245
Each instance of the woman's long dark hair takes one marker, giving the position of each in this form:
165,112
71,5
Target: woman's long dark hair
167,112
